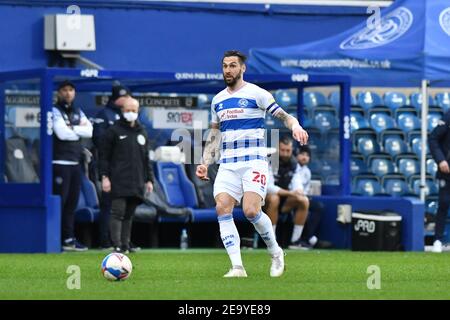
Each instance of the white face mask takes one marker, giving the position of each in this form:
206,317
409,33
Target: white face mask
130,116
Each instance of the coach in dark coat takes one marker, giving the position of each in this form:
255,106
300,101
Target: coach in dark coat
126,172
439,143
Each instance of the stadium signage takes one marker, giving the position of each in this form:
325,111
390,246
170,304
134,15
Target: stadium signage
179,118
365,225
198,76
22,99
300,78
27,117
390,28
444,20
89,73
346,127
152,101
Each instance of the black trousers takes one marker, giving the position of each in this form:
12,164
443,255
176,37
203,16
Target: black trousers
67,184
443,205
313,221
122,211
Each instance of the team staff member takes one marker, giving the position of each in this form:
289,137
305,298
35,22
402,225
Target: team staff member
439,143
69,126
126,171
104,119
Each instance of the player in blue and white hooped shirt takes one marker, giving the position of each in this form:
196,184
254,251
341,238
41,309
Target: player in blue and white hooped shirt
239,112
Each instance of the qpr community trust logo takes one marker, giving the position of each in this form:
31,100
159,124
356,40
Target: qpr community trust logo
390,27
444,20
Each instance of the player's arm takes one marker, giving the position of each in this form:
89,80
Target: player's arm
298,133
210,152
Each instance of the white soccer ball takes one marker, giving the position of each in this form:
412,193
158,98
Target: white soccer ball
116,267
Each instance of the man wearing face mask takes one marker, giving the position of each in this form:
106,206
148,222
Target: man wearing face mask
69,126
126,173
105,118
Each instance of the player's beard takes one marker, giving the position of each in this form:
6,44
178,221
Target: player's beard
233,81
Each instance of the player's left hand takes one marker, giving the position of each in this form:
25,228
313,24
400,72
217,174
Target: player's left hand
300,135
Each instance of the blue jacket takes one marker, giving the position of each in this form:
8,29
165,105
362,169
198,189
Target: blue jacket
103,120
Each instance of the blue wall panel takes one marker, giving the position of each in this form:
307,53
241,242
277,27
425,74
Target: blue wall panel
164,39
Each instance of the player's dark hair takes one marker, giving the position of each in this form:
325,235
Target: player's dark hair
235,53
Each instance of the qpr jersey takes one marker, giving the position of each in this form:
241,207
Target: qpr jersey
241,116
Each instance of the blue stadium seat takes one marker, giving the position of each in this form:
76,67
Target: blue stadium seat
431,205
366,185
316,166
381,122
394,100
325,121
431,187
333,180
285,98
408,122
416,146
443,100
380,166
395,146
88,208
334,99
204,100
367,146
368,99
395,185
313,99
357,121
332,145
180,192
357,166
408,166
431,167
315,141
433,120
416,101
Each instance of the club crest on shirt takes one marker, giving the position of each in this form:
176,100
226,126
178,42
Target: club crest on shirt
243,103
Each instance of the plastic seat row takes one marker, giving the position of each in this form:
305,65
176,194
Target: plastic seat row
393,185
366,99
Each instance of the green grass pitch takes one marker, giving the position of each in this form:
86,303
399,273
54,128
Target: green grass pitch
197,274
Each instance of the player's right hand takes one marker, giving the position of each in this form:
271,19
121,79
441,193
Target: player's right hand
443,167
202,172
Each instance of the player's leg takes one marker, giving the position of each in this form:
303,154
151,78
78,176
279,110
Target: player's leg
254,185
300,204
271,208
263,225
227,192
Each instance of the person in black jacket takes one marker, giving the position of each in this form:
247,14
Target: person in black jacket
105,118
439,144
126,172
69,126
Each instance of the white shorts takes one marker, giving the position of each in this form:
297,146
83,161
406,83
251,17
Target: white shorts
237,178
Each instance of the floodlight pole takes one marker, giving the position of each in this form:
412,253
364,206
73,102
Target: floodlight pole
423,152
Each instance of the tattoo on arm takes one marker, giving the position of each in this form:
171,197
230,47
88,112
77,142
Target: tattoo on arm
288,120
